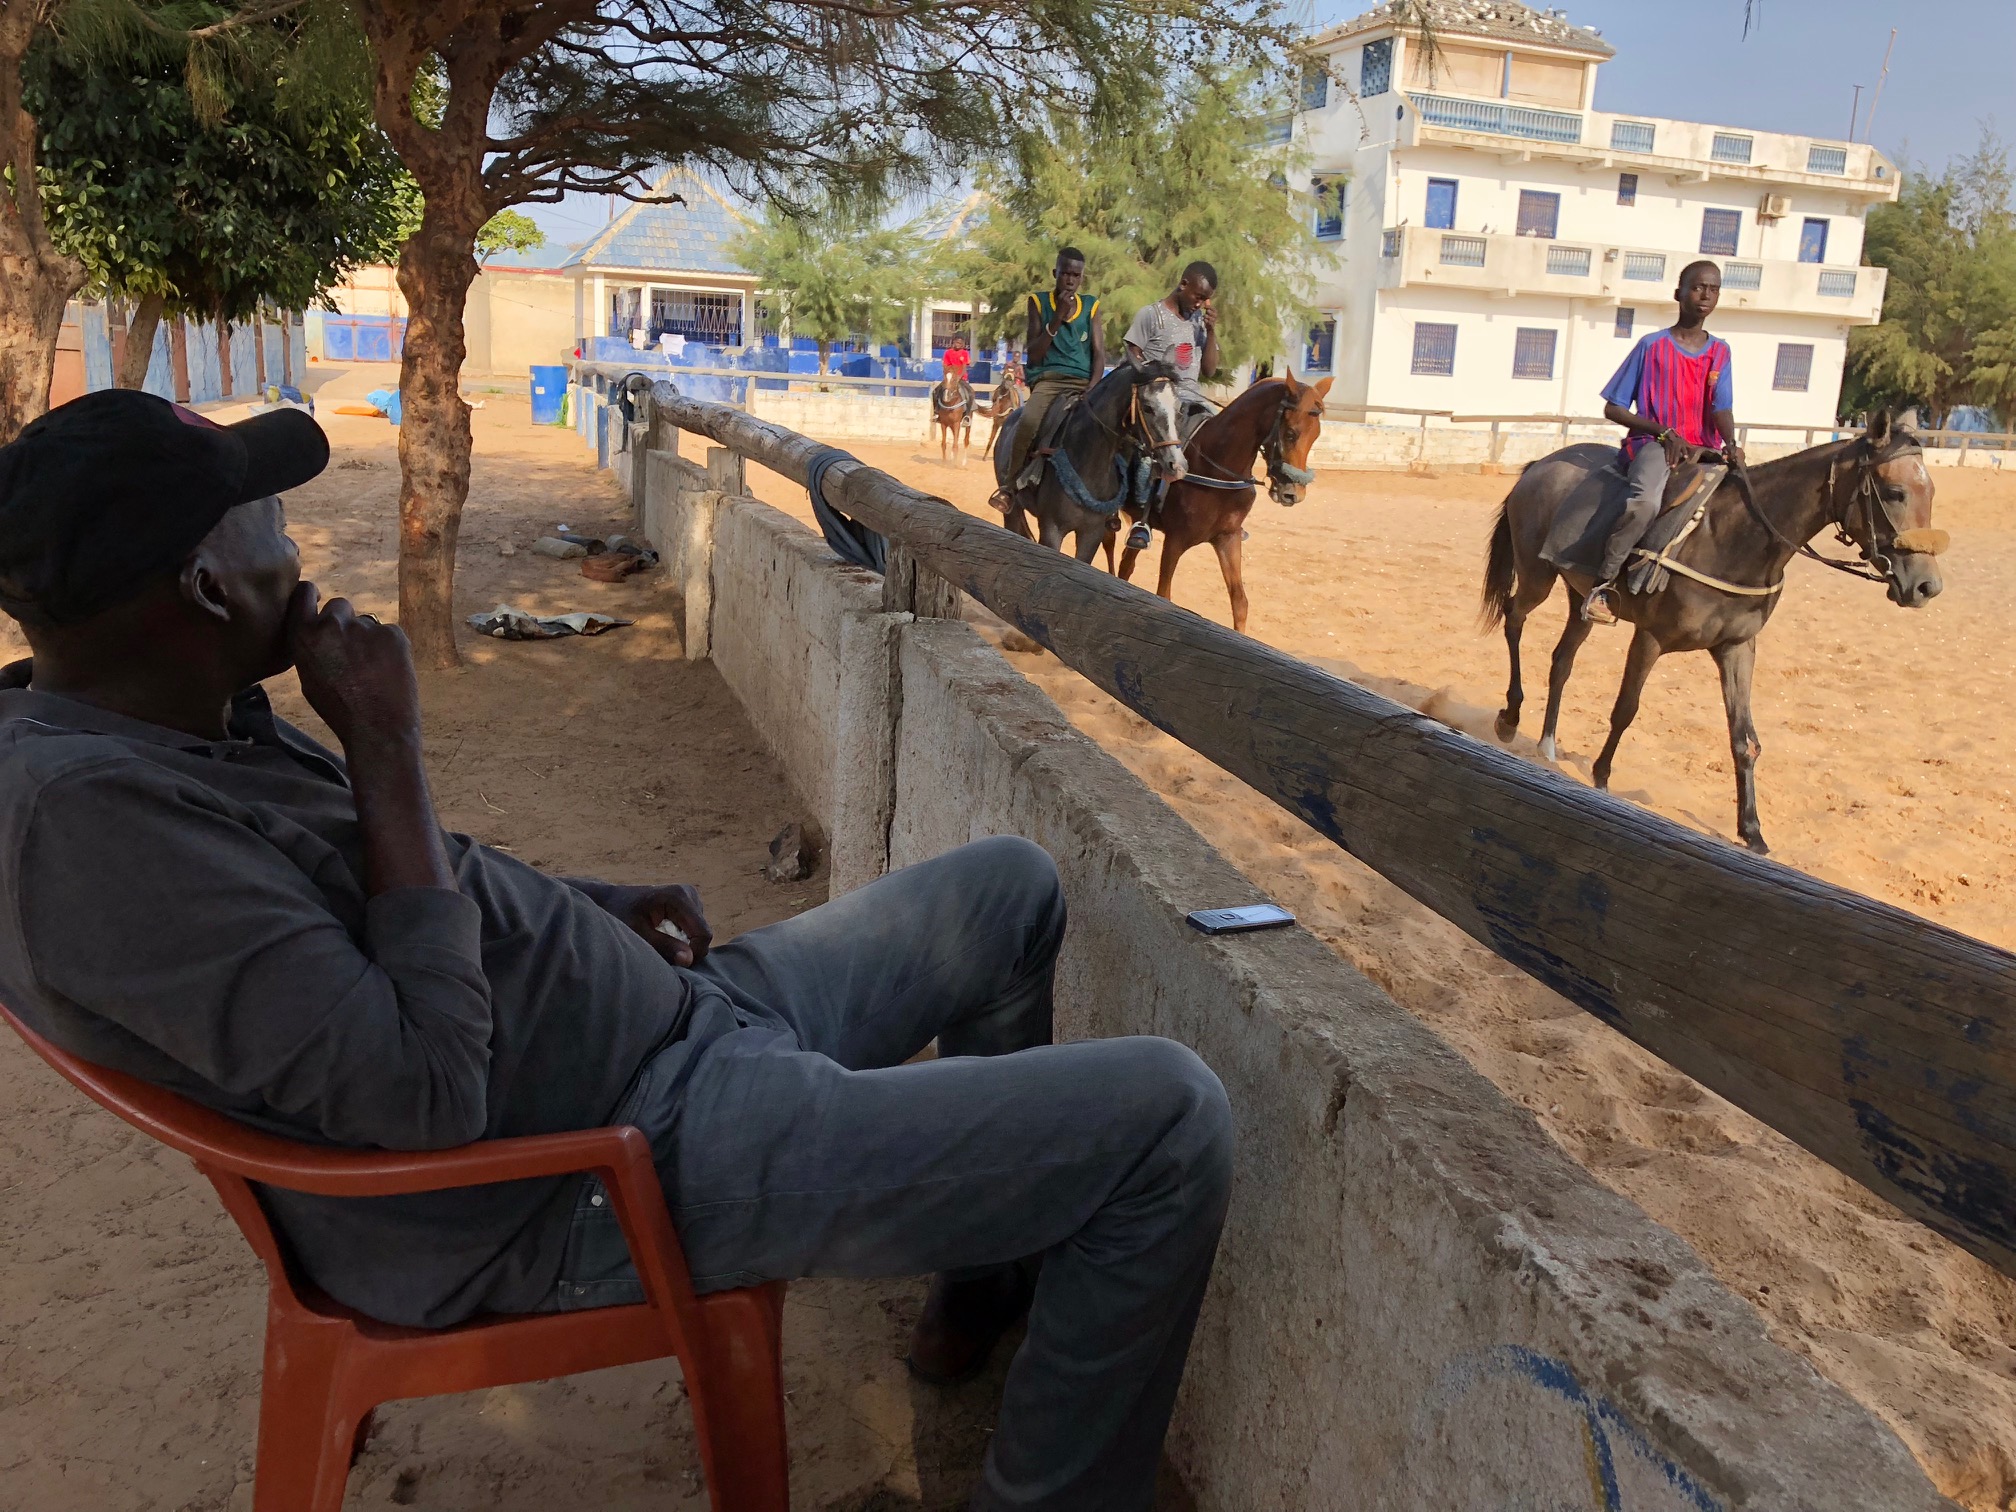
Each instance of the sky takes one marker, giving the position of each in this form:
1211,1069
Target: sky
1795,72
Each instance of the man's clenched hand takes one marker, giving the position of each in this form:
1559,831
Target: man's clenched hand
644,909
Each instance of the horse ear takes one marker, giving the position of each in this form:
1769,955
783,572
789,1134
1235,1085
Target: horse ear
1323,388
1878,433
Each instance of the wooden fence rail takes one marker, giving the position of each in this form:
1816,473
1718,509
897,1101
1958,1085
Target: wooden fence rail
1884,1044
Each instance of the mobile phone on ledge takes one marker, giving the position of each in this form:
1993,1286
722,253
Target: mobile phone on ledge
1217,921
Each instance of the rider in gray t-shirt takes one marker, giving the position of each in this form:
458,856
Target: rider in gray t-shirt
1181,330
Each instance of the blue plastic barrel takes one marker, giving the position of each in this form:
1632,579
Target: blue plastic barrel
549,388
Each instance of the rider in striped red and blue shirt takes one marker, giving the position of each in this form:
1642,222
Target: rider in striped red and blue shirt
1674,396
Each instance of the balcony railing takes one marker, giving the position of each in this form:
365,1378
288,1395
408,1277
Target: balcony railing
1463,251
1499,119
1737,275
1633,136
1568,262
1837,285
1648,266
1729,148
1827,160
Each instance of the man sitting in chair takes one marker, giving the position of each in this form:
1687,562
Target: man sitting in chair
201,895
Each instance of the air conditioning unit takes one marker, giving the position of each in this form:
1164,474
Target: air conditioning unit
1774,207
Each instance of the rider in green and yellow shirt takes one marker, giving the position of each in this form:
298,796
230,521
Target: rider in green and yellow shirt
1066,351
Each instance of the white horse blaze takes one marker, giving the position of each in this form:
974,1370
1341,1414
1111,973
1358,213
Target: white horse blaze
1159,414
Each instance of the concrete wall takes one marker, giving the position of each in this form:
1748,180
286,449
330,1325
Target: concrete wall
1421,1302
518,318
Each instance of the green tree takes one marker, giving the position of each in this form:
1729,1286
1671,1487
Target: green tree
508,231
837,273
211,205
1948,333
1185,173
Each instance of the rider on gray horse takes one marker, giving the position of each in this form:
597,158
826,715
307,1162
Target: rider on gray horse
1672,393
1181,330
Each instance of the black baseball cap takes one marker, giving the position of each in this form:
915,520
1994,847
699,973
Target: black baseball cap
105,493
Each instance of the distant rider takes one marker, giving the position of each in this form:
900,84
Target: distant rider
1672,394
1181,330
958,369
1066,350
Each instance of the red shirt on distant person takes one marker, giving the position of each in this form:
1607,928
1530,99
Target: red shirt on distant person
957,359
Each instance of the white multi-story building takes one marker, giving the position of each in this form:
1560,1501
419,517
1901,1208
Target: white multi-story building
1499,243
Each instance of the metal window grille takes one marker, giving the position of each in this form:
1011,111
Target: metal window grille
1826,159
1645,266
1322,349
1315,84
1632,136
1278,129
1389,244
1627,188
1375,68
1329,208
715,319
1737,275
1499,120
1626,319
945,324
1835,284
1533,353
1568,262
1730,148
1539,213
1794,370
1719,231
1463,251
1434,349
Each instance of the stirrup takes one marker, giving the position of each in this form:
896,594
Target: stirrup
1138,539
1596,608
1003,500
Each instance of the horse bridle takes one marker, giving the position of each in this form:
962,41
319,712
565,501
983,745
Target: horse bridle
1133,429
1280,470
1868,495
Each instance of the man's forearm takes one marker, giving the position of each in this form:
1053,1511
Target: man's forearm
395,811
1725,427
1039,336
1643,425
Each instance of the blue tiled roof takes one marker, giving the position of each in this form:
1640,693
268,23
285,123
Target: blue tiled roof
692,237
956,223
546,257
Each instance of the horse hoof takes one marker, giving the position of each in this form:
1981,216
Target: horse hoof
1507,726
1548,750
1757,845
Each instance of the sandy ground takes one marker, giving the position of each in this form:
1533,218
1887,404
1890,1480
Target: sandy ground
1888,768
130,1308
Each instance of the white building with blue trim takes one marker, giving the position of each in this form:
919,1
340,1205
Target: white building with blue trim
1502,241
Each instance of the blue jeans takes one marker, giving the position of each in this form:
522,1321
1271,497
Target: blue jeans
800,1144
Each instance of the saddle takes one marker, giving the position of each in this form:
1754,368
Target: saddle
1583,524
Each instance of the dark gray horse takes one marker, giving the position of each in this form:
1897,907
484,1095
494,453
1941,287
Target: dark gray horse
1128,415
1874,490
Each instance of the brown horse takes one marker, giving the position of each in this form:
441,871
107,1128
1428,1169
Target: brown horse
1874,490
951,417
1010,394
1278,418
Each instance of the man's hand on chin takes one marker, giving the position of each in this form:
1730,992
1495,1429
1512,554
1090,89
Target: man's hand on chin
646,909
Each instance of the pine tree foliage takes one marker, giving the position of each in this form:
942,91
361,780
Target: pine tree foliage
1184,174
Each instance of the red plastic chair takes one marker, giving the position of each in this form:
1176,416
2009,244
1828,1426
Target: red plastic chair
328,1367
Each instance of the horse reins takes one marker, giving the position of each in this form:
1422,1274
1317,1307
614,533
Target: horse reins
1279,469
1867,493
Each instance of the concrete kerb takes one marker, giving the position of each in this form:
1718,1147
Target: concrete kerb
1422,1302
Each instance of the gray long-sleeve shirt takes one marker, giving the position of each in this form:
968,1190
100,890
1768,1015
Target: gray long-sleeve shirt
193,913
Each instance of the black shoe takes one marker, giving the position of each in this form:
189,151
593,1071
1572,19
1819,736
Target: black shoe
964,1320
1138,538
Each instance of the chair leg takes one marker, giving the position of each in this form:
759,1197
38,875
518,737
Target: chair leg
308,1427
737,1392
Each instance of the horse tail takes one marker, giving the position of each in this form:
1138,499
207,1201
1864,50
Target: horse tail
1501,571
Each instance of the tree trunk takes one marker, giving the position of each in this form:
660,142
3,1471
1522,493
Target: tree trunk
36,280
436,267
138,353
825,353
